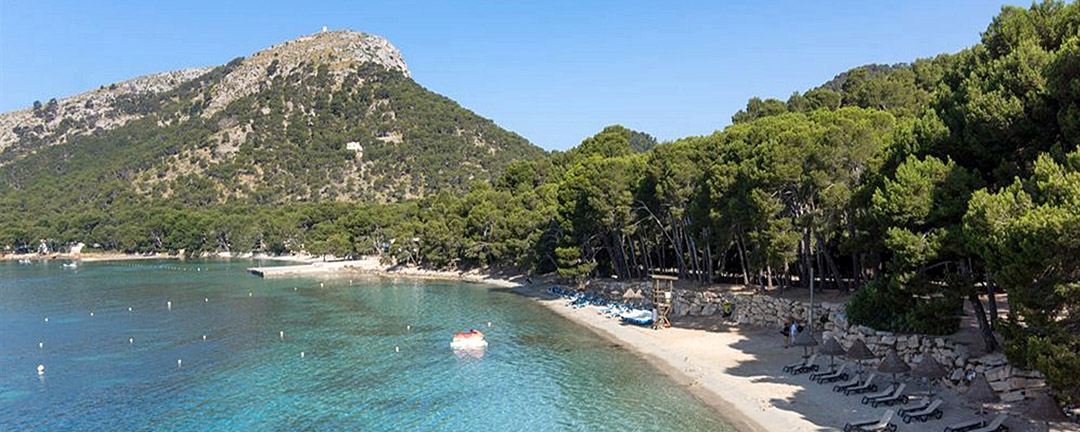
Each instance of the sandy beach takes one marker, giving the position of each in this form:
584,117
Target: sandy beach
371,266
737,371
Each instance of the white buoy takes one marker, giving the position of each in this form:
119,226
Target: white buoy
131,340
129,308
320,284
168,304
41,344
301,354
408,328
41,369
206,300
46,319
203,337
294,288
249,294
179,363
397,349
281,334
489,323
91,313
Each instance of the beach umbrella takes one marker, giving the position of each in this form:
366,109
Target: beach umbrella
893,364
632,295
832,348
859,352
981,393
930,370
805,340
1044,408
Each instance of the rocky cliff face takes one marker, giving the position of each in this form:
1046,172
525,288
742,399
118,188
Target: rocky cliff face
55,121
339,50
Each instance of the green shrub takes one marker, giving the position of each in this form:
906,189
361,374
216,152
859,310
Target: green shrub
881,306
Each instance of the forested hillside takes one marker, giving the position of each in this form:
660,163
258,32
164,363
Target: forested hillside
916,187
329,117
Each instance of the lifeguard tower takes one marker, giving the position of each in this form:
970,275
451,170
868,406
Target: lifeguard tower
663,288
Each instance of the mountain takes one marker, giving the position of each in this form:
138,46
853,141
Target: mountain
330,116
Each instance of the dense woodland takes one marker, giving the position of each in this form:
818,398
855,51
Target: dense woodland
916,187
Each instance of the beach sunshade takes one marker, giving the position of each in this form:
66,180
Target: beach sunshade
860,352
804,339
1043,408
633,294
928,368
980,392
893,364
831,348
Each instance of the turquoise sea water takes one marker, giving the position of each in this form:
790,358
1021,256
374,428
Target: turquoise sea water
376,356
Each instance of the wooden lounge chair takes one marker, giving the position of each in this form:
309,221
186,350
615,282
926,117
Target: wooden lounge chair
885,424
897,396
852,383
924,414
808,367
839,374
979,425
888,391
800,363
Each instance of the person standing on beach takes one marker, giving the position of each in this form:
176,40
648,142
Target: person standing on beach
786,331
793,329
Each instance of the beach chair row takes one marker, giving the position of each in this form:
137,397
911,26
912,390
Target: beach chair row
892,395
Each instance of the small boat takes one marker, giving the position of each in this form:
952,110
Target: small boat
637,317
70,265
472,339
25,262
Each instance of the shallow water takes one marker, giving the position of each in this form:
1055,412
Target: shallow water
540,372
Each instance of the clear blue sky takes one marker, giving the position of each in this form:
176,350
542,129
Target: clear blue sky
553,71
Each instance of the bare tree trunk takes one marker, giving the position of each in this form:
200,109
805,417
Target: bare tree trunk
742,261
635,270
677,243
804,270
976,305
824,250
991,299
708,260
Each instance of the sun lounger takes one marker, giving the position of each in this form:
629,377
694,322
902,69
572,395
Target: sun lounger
804,362
814,376
838,374
888,391
995,425
852,383
922,404
923,414
867,386
856,425
808,367
979,425
885,424
897,396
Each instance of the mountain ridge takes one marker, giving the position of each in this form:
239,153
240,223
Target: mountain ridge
333,115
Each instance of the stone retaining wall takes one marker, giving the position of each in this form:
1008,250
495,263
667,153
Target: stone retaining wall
1012,384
